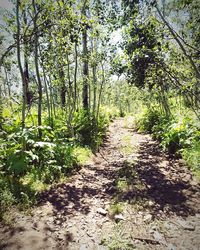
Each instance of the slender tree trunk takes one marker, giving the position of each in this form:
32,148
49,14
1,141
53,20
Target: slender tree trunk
85,64
70,99
94,75
75,77
63,89
69,79
26,68
37,73
53,108
100,91
20,68
94,87
47,93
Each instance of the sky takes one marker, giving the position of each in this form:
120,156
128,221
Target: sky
5,4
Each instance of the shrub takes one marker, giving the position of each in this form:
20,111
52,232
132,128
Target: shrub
174,134
88,129
148,120
192,157
6,197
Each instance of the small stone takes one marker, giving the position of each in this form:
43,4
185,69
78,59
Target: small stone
151,203
186,226
83,247
148,217
119,217
102,211
171,247
158,236
137,241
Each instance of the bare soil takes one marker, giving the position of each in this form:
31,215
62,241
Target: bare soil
159,202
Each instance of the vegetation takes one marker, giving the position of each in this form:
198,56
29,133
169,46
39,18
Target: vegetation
178,134
64,78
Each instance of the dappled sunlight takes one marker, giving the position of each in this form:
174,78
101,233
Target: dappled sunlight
169,193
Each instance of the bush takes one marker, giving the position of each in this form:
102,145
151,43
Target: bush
148,120
6,197
174,134
25,172
192,157
88,129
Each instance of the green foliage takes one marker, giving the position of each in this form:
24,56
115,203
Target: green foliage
180,135
149,119
120,239
25,172
88,129
173,133
192,157
116,208
6,197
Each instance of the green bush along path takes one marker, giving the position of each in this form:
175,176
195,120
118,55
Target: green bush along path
130,195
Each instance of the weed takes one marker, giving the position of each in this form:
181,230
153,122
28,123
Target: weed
116,208
119,240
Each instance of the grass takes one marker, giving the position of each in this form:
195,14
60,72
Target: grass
122,185
116,208
119,240
82,154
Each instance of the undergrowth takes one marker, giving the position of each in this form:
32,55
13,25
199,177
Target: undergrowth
178,134
24,172
119,239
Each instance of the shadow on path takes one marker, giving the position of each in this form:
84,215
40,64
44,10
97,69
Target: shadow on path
154,182
158,184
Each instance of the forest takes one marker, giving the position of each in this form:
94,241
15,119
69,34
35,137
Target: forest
70,69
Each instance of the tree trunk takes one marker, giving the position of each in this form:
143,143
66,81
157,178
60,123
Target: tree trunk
63,88
94,75
20,66
75,77
47,93
85,64
26,68
100,91
37,73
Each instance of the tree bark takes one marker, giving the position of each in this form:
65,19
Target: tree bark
20,65
75,76
37,72
26,68
85,63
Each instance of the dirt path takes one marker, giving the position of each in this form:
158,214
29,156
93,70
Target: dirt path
156,198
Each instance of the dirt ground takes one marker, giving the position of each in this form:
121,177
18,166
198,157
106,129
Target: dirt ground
131,196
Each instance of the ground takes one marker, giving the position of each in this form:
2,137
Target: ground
131,196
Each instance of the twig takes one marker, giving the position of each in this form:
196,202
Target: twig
147,240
